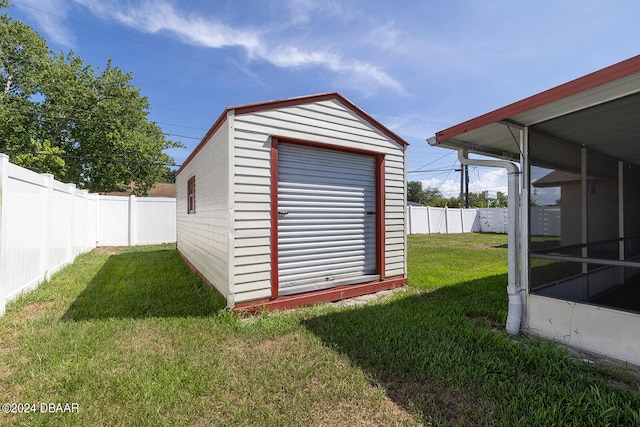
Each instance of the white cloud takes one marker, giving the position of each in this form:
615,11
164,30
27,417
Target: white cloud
305,11
301,11
385,36
448,187
492,179
260,44
154,17
55,29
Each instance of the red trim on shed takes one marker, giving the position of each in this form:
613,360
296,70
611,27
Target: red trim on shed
317,297
274,217
589,81
323,145
191,195
380,203
271,105
380,216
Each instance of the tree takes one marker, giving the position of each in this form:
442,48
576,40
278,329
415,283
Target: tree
84,126
169,175
23,57
414,192
501,202
429,196
432,196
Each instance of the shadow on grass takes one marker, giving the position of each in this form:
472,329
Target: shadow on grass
445,356
144,283
422,349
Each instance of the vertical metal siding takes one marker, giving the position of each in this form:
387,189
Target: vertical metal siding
326,223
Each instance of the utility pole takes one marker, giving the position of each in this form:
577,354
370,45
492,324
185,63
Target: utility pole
461,170
466,186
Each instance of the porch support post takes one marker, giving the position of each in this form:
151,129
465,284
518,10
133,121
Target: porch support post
584,239
584,190
621,233
524,219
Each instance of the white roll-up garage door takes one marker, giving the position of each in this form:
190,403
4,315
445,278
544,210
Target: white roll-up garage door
326,218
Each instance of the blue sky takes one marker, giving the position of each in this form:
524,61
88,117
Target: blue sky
417,66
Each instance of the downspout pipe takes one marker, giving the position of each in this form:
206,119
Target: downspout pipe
514,289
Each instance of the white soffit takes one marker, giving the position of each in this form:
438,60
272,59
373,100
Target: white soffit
488,134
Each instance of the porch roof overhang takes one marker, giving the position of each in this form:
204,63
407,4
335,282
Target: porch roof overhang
599,111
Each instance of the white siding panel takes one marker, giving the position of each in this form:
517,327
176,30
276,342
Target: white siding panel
252,281
274,127
252,295
250,235
326,115
203,237
252,213
306,126
252,197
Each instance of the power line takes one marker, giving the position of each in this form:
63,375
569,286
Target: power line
197,138
182,126
430,170
446,177
430,163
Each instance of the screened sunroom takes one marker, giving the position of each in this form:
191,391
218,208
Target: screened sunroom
576,149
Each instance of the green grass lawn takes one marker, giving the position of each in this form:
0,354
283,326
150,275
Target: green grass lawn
135,339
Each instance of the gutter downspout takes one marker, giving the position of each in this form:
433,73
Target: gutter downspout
514,288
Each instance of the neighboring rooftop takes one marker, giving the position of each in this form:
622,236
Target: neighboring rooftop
161,189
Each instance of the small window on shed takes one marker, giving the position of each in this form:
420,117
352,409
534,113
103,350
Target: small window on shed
191,195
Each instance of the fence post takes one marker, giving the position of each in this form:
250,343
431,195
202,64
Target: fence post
98,219
71,191
505,220
82,194
446,219
409,218
4,177
428,220
46,243
132,220
462,219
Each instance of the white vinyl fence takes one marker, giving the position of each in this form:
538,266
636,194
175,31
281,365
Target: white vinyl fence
45,224
431,220
545,220
130,221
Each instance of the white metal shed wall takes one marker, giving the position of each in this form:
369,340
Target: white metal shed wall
328,122
203,237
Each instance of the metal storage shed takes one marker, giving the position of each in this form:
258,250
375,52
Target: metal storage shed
578,144
293,202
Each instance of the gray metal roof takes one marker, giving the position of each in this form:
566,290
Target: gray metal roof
600,111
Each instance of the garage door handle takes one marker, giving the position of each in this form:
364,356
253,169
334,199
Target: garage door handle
371,213
283,213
